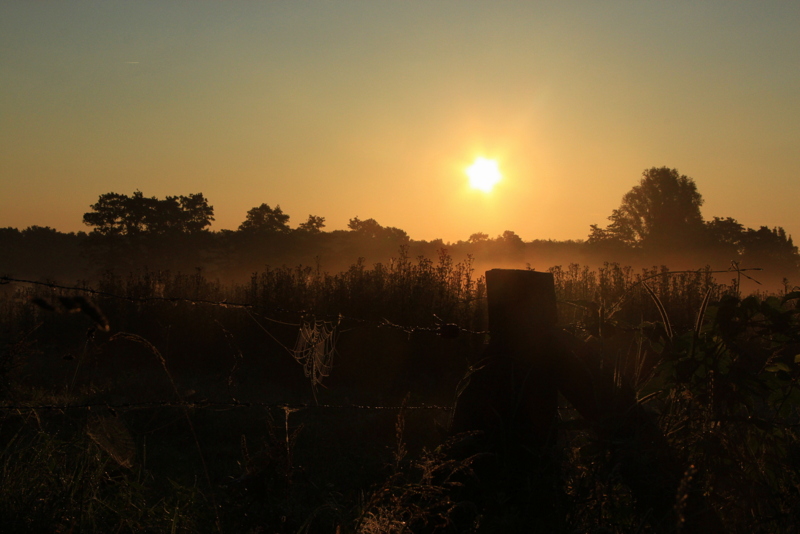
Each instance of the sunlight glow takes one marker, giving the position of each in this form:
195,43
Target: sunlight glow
484,174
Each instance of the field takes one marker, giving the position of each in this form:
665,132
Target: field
311,402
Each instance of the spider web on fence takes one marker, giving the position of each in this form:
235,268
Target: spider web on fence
315,348
111,435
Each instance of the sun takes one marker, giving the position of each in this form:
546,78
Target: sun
484,174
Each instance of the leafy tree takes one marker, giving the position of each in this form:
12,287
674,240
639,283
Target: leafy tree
163,216
9,237
724,240
510,238
478,237
263,219
771,247
313,225
371,228
726,233
115,214
663,210
40,233
196,214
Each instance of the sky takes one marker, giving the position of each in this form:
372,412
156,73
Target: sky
375,109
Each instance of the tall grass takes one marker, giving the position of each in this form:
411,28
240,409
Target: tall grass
721,379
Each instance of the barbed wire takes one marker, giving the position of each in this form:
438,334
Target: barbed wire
443,329
208,404
447,330
79,304
92,291
286,408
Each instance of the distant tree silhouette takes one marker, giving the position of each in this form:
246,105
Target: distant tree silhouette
724,236
115,215
510,239
41,251
371,228
769,247
10,236
195,213
263,219
478,237
314,224
662,211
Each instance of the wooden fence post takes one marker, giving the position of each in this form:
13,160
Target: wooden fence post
515,391
522,318
511,397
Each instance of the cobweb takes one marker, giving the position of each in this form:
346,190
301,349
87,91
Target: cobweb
112,436
315,348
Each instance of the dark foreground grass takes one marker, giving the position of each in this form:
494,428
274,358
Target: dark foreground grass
196,417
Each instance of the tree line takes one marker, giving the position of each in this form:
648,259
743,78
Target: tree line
658,222
122,215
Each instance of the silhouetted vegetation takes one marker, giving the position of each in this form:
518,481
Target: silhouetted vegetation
234,377
662,211
658,222
265,220
114,214
717,371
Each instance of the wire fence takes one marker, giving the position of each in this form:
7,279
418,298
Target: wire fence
138,420
210,405
445,329
313,350
309,350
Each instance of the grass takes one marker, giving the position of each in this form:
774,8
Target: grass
240,446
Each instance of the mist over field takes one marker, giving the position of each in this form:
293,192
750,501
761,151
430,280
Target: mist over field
658,224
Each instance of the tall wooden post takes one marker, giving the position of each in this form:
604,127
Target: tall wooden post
511,397
522,318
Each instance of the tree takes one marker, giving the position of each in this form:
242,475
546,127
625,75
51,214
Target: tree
115,214
263,219
767,247
371,228
510,238
725,235
183,214
478,237
313,225
662,211
196,213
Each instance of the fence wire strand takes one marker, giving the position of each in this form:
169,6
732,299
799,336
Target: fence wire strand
210,405
445,329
